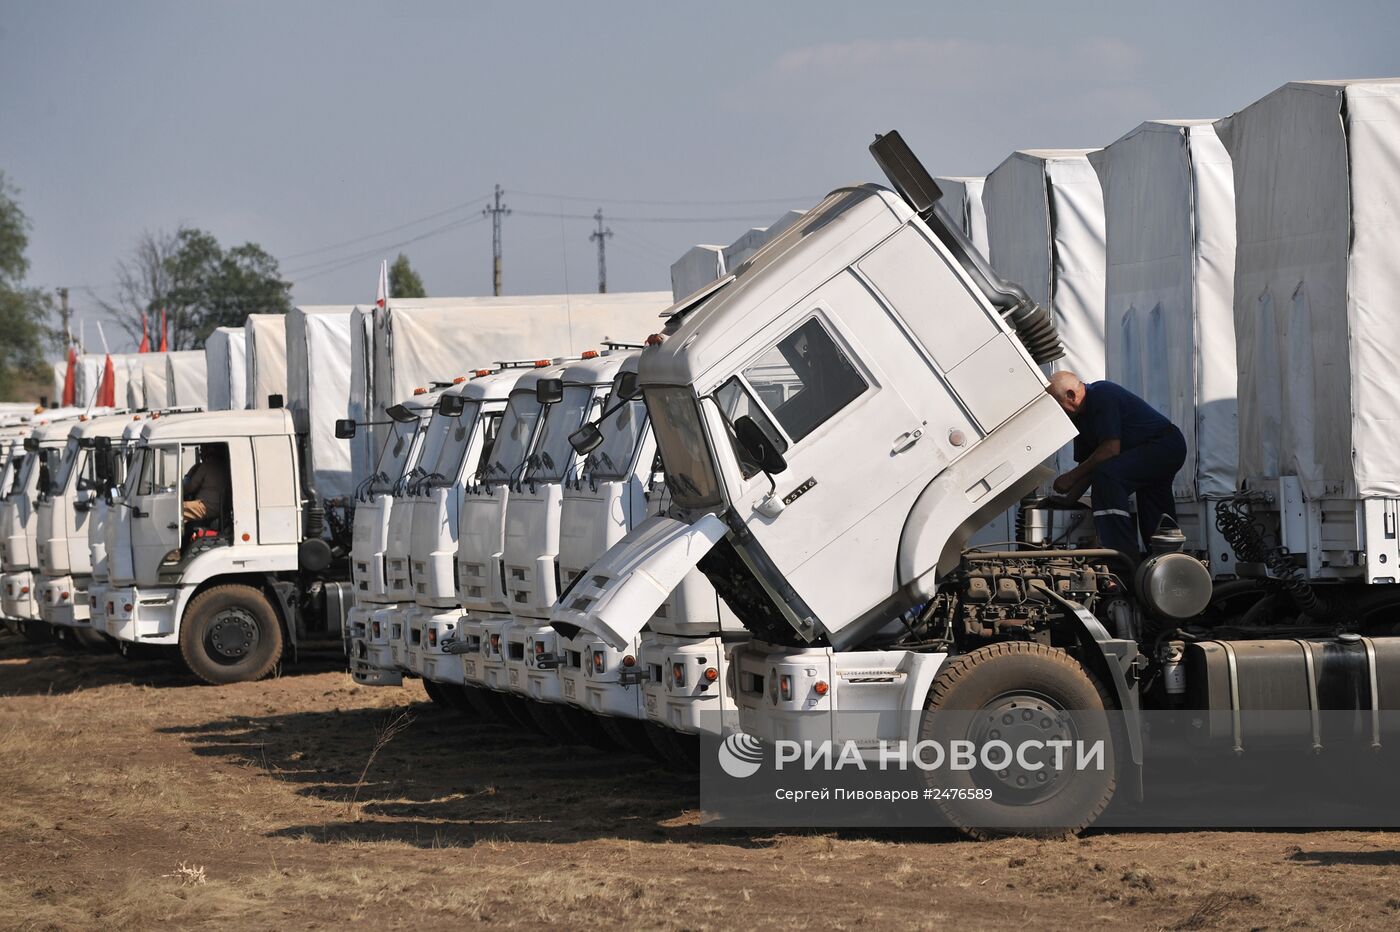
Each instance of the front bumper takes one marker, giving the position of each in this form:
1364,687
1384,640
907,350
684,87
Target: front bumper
142,615
486,666
17,596
686,687
532,665
378,637
63,600
436,629
598,679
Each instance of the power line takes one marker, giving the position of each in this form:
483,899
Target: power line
403,226
661,203
318,269
601,236
616,219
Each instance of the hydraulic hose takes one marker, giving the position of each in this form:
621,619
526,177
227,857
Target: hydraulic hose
1236,524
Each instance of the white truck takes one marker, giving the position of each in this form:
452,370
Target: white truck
235,588
33,460
833,523
72,512
460,438
673,675
376,609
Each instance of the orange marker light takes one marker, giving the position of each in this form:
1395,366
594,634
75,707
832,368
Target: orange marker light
541,363
247,536
589,354
481,372
459,380
711,674
420,390
655,339
821,689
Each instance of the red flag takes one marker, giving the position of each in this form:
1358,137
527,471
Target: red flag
107,391
145,335
70,378
164,346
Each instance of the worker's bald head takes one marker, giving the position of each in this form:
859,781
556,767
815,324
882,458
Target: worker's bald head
1068,389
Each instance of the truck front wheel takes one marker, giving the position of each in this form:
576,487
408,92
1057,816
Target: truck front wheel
230,634
1039,727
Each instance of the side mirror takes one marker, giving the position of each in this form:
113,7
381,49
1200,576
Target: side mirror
758,446
31,444
82,505
344,429
586,439
274,401
549,391
87,443
451,405
401,414
628,386
103,443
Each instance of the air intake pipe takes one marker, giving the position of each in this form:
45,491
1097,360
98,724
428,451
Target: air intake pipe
1033,324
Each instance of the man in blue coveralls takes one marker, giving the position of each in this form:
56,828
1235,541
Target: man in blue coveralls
1125,447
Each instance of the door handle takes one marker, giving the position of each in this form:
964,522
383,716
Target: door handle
172,526
907,439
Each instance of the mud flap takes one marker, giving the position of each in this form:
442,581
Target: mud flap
616,596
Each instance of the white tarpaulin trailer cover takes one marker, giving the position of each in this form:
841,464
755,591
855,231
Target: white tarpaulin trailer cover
420,340
60,375
318,391
1317,272
146,387
361,387
701,265
962,201
1169,328
90,369
187,379
1045,229
227,368
265,356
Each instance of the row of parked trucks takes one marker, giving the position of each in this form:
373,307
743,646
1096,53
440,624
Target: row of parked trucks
767,515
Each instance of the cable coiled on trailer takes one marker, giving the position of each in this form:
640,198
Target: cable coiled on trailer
1235,522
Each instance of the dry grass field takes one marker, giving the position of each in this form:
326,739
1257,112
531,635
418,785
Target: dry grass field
130,797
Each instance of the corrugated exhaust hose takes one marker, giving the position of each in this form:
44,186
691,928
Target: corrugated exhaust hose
1033,324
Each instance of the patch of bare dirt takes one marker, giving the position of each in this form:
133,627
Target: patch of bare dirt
131,796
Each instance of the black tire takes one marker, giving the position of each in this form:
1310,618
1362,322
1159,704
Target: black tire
587,729
631,734
93,642
479,701
37,632
549,721
230,634
437,692
680,752
1033,691
518,708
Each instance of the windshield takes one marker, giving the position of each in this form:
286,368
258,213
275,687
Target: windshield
622,432
690,473
394,457
9,479
64,469
457,435
553,453
517,428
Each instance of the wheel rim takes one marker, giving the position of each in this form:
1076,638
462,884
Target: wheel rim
1016,718
232,636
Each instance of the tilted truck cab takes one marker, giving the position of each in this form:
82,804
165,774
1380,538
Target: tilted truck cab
233,585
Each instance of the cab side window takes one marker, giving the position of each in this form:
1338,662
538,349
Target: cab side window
805,379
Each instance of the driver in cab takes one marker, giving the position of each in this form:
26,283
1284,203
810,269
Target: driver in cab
207,488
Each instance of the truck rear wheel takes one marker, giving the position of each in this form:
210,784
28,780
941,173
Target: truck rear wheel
230,634
1021,692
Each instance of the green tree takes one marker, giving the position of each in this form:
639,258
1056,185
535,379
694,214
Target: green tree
198,283
403,281
24,311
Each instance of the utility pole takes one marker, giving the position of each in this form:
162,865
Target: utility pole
497,212
601,237
63,310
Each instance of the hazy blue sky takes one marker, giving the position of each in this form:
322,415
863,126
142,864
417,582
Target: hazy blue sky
304,125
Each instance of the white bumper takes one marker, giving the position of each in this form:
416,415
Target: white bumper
17,596
686,688
597,678
63,601
144,615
